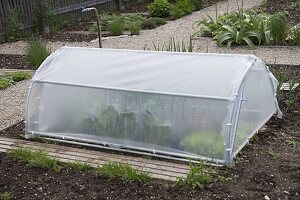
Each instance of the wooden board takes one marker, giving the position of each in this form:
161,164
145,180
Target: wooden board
156,168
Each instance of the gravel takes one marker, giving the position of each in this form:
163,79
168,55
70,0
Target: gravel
12,103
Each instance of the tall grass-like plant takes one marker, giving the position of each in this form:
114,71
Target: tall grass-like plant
36,52
279,28
175,46
296,36
37,158
134,28
117,27
124,171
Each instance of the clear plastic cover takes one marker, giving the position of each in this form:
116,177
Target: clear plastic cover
176,104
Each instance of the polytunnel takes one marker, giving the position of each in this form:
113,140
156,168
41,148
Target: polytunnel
176,105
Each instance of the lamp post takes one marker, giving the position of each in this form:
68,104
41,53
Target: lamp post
98,23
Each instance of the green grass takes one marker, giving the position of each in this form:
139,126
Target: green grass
134,28
124,171
79,166
5,196
293,143
273,154
197,178
37,158
36,52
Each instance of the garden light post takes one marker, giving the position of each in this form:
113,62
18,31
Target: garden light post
98,23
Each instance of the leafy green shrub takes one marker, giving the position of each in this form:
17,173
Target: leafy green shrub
186,6
117,27
36,52
159,21
20,76
124,171
198,4
197,178
13,25
4,83
177,13
279,28
160,8
134,28
37,158
149,24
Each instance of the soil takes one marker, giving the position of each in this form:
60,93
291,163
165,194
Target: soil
268,166
11,61
69,37
293,13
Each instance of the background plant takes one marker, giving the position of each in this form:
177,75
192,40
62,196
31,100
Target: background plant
174,45
12,78
279,28
44,16
36,52
160,8
6,196
117,27
198,4
13,25
134,28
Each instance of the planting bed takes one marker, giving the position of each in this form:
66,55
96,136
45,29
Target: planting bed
11,61
69,37
293,12
269,166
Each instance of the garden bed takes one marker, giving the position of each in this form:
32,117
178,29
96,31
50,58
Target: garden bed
12,61
267,167
289,7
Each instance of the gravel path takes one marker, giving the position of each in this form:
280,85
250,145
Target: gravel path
180,29
12,103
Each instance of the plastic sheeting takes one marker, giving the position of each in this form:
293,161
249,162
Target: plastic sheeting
180,105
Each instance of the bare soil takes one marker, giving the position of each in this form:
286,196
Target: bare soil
268,166
292,13
11,61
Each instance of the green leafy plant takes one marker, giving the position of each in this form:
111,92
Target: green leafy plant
36,52
197,178
186,6
117,27
4,83
13,25
160,8
198,4
6,196
177,13
279,28
134,28
19,76
37,158
124,171
238,34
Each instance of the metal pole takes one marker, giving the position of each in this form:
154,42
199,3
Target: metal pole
98,23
